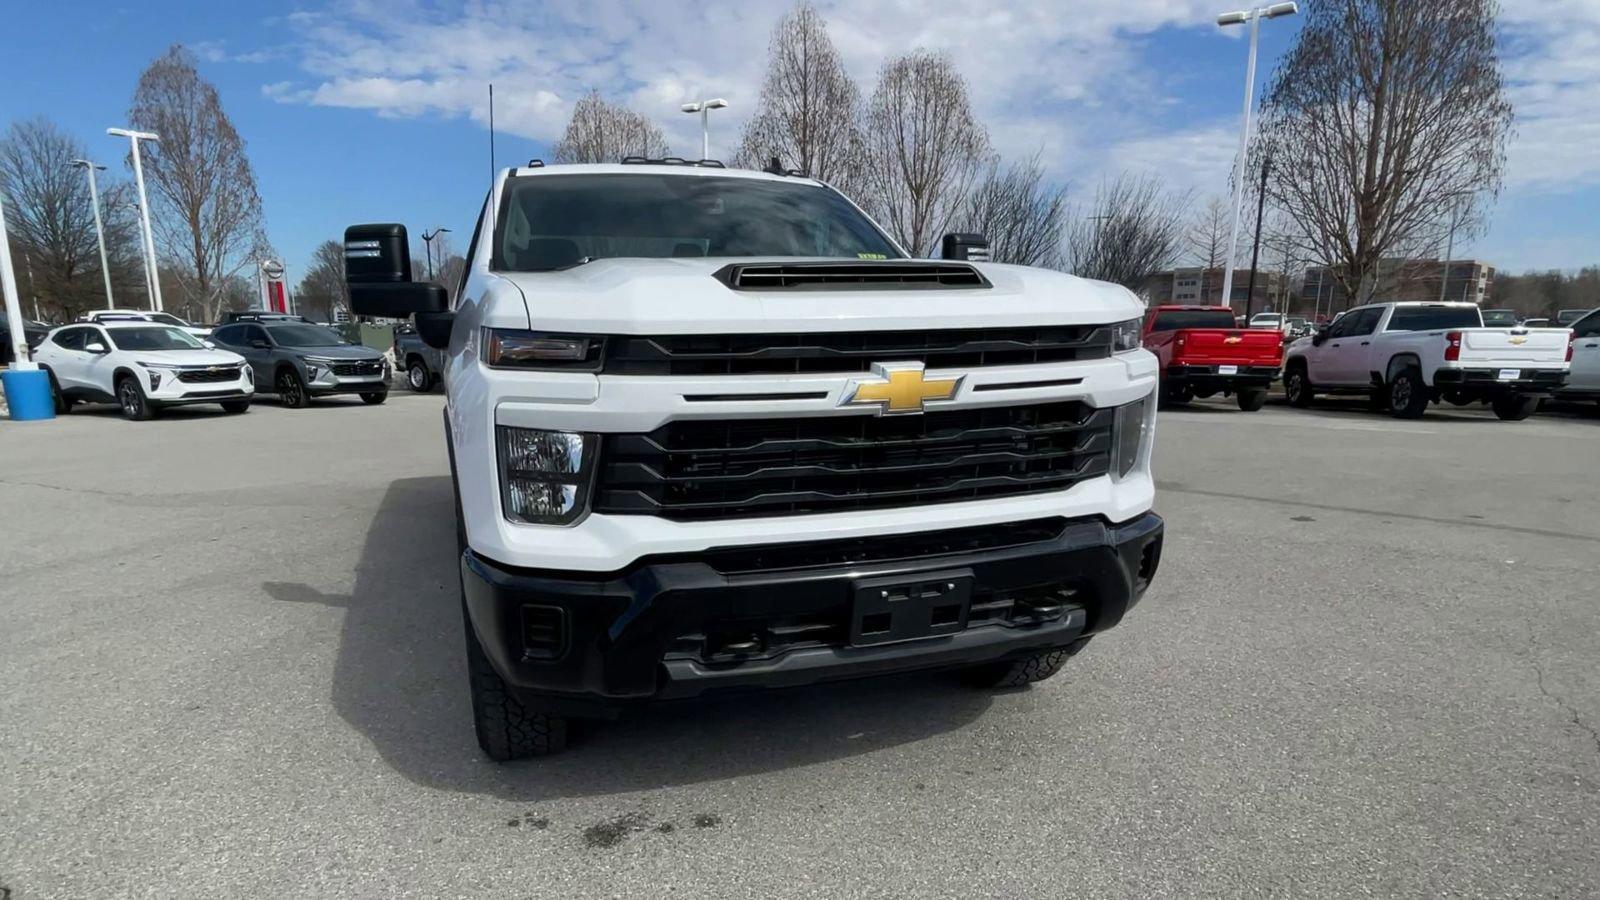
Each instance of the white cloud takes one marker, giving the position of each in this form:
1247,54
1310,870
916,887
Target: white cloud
1033,69
1552,71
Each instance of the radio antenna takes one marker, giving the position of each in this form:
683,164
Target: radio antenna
491,132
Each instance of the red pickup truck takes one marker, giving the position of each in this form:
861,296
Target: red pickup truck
1204,353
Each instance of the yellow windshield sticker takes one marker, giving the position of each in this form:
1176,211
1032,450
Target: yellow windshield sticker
871,256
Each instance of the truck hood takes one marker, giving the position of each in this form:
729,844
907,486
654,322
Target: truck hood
680,296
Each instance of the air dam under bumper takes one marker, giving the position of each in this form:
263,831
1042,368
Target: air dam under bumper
780,615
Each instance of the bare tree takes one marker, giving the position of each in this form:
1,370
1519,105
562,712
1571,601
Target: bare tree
600,131
1208,241
924,148
1133,230
1392,112
208,211
51,221
322,291
1024,218
810,110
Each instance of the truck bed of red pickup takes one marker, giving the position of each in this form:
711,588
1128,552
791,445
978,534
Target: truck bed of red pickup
1204,353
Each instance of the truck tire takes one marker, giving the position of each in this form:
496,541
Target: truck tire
1018,672
373,398
418,378
1177,394
1514,407
1252,399
235,406
1408,396
506,729
1297,387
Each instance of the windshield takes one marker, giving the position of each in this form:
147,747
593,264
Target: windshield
166,319
1429,318
1499,318
1266,319
1193,318
1568,316
305,336
162,337
555,221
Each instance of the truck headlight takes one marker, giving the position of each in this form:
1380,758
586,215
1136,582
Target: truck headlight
1128,433
544,475
1125,336
506,348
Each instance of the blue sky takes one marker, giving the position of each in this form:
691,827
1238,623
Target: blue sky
361,110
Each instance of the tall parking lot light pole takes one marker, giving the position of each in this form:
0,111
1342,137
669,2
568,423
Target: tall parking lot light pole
427,244
152,276
1252,17
89,169
704,108
8,284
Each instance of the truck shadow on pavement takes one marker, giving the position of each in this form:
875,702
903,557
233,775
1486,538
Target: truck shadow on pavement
400,679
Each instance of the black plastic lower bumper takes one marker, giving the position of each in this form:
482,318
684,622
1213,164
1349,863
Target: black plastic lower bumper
1205,378
1488,381
353,387
784,615
195,397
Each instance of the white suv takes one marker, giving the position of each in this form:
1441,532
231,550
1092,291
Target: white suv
712,429
142,367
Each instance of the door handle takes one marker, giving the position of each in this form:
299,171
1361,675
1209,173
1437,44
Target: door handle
1592,344
1365,343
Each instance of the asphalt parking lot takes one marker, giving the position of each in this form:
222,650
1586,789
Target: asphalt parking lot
232,665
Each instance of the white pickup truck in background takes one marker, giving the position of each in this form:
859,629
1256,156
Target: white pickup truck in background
1406,355
1583,383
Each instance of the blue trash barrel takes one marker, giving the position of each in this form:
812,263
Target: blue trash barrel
28,394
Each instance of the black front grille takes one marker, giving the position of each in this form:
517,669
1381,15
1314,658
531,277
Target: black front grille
360,367
209,376
920,546
892,275
771,467
852,351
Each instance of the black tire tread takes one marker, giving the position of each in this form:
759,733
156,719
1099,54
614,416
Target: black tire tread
506,729
1028,670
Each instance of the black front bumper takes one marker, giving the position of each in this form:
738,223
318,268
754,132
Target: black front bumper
193,397
791,614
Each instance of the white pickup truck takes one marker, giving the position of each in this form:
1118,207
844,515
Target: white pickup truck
1406,355
712,430
1584,382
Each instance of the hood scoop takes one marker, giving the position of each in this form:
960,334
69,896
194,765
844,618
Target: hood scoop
889,275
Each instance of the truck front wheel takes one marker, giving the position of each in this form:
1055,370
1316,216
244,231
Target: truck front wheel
506,729
1018,672
1408,396
1297,387
1514,407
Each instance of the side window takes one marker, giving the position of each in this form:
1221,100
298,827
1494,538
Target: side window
69,339
472,253
1342,327
227,334
1365,322
1588,326
253,333
95,336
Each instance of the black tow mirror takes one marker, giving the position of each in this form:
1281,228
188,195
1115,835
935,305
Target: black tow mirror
1320,335
965,245
377,267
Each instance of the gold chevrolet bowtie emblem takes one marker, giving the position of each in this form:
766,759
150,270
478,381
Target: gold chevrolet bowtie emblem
899,388
1232,340
1519,339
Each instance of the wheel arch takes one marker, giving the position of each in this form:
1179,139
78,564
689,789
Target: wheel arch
1398,362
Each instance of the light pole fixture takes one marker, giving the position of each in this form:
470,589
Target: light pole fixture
89,169
152,277
427,244
1253,17
704,108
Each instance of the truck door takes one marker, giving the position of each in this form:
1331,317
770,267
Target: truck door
1348,348
1585,375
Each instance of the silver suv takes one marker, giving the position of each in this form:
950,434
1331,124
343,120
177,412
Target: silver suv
299,361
